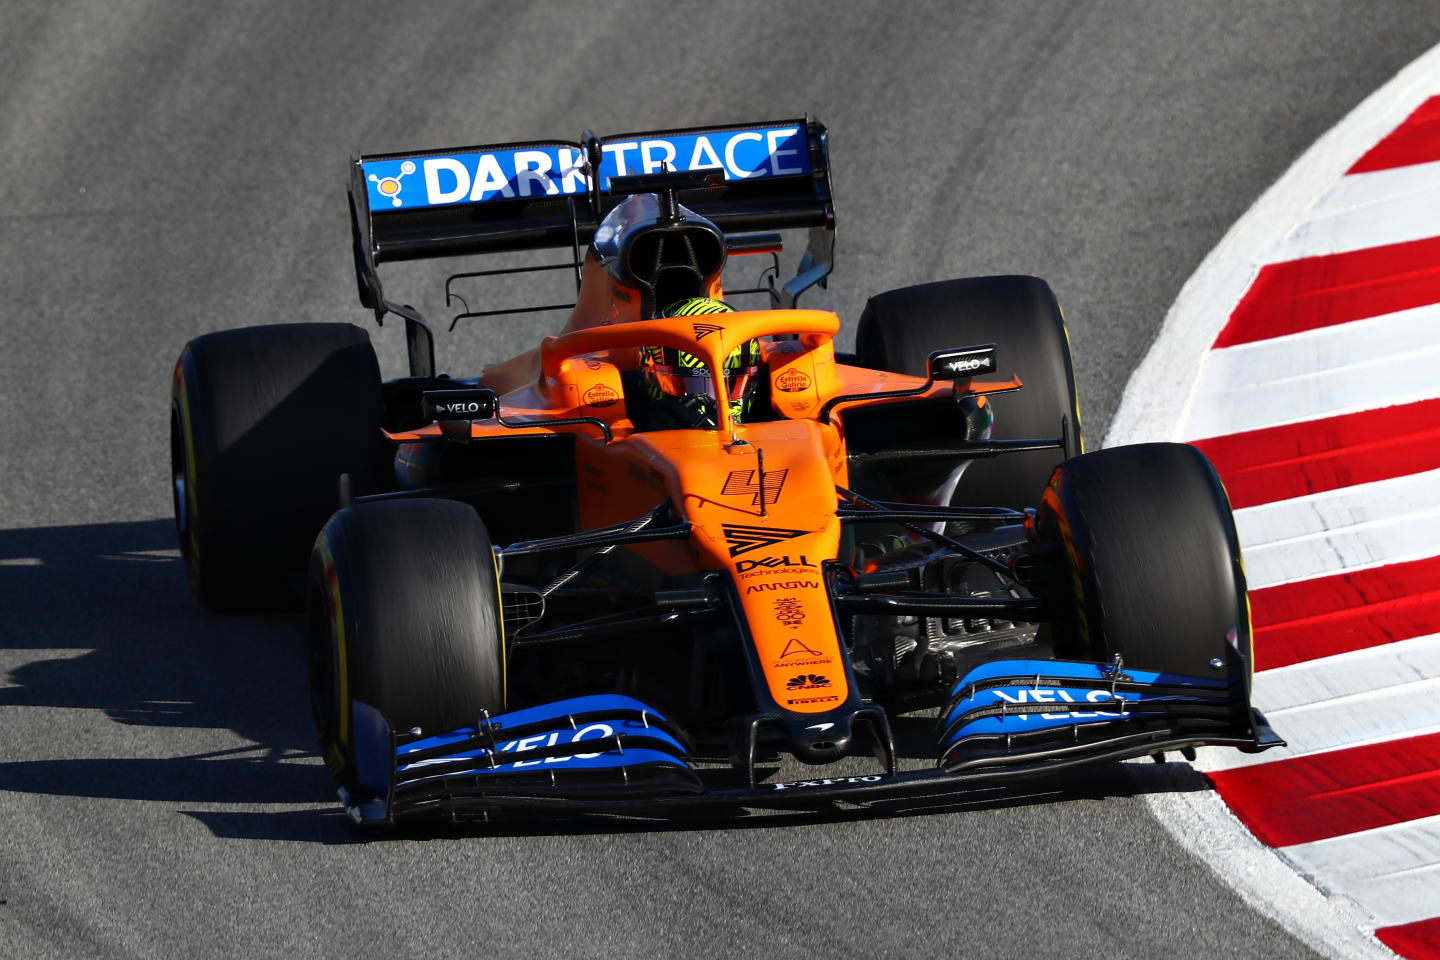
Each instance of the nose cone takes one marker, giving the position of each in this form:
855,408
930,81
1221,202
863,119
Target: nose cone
822,738
821,749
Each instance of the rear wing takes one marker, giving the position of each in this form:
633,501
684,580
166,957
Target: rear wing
553,194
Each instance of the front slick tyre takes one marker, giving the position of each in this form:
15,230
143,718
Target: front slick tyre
1148,562
404,616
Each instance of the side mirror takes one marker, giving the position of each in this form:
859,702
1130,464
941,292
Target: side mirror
962,363
473,404
959,364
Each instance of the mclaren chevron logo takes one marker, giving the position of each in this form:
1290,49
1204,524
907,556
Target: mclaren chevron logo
743,539
703,330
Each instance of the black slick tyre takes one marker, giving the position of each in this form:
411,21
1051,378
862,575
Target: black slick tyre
404,616
1147,563
901,328
263,420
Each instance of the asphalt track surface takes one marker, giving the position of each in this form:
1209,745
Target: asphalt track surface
174,168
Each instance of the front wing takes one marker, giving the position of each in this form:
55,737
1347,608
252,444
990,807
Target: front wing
1005,720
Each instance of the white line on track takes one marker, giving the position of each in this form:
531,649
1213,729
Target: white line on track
1369,210
1392,872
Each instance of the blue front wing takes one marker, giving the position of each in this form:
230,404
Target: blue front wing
612,753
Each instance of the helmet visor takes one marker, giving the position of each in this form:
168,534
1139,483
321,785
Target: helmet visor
684,381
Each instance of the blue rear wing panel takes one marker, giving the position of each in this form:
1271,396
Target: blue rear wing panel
475,175
553,193
746,153
535,171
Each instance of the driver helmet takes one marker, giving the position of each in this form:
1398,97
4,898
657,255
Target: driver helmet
678,383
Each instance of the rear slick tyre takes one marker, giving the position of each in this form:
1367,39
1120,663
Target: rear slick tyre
263,421
900,329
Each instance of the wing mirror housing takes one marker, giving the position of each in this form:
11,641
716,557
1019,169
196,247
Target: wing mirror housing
958,364
453,410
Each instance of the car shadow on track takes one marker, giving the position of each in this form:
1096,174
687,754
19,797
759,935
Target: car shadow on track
99,619
1101,783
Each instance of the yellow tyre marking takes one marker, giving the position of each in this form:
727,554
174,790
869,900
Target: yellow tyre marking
1075,397
504,656
1249,635
1249,618
192,501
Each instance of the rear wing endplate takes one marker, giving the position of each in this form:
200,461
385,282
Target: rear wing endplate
553,194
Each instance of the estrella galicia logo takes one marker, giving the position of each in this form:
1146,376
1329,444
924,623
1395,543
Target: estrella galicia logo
807,681
743,539
600,395
793,381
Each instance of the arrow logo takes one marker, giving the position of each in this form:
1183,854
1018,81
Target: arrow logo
743,539
703,330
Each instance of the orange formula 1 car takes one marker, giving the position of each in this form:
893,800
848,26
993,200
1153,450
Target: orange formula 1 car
643,565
